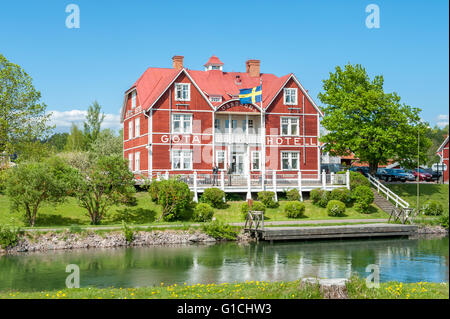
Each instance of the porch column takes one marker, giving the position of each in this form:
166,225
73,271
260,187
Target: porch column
324,180
249,186
332,178
167,174
195,187
274,177
347,179
300,185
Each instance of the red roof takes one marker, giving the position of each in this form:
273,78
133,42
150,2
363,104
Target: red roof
155,81
214,60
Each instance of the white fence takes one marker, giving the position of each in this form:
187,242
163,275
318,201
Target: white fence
390,195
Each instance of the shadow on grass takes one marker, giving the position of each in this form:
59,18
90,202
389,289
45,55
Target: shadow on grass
132,216
56,220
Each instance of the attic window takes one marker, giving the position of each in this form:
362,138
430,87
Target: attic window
133,99
215,67
215,99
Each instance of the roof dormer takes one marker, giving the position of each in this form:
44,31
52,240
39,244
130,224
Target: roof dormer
213,63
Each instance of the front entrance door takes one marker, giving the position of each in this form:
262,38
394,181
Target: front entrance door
237,162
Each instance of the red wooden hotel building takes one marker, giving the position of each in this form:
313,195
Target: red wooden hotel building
179,121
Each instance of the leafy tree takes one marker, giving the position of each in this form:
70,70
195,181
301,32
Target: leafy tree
58,141
22,116
76,140
362,119
93,122
29,185
33,151
175,198
107,144
106,183
79,160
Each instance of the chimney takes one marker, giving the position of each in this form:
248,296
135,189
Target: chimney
252,67
177,62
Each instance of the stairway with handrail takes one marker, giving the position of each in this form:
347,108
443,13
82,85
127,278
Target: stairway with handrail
391,201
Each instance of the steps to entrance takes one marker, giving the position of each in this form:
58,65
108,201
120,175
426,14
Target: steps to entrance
382,202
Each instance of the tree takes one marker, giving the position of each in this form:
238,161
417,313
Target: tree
22,116
29,185
76,140
58,141
362,119
93,122
107,144
106,183
175,198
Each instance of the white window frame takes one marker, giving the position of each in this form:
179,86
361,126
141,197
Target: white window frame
224,159
217,125
130,129
182,120
181,86
137,127
290,92
137,161
182,159
289,153
133,99
253,159
215,99
290,122
130,161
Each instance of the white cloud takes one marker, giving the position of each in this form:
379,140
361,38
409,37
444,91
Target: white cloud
442,120
64,119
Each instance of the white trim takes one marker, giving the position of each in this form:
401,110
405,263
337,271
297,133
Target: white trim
290,160
293,114
182,84
296,96
259,161
234,100
178,110
290,125
443,144
181,150
130,129
137,161
182,124
137,127
133,99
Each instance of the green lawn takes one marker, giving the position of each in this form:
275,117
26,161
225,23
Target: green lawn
243,290
146,213
408,192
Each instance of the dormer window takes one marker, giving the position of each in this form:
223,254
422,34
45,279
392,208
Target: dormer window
133,99
215,99
290,96
213,63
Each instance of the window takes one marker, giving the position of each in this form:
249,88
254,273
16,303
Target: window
133,99
137,161
182,159
130,161
289,160
221,159
130,129
290,96
137,127
227,125
181,123
217,125
289,126
256,161
215,99
182,92
234,126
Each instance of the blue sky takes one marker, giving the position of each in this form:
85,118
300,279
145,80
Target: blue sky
118,40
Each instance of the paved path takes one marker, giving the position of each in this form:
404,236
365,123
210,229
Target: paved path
280,222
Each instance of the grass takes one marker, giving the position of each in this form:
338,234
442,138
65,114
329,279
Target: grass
243,290
408,192
146,213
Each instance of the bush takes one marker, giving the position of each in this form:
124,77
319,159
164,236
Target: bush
341,194
203,212
294,209
127,232
358,179
3,179
175,198
257,206
293,195
315,195
219,230
9,236
433,207
363,197
268,199
335,208
214,197
443,220
153,190
320,197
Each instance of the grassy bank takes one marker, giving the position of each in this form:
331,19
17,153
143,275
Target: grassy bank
246,290
408,192
146,213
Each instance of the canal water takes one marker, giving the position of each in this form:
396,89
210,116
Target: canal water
405,260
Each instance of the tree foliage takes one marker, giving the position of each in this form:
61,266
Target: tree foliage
76,140
107,143
106,183
29,185
92,123
362,119
22,116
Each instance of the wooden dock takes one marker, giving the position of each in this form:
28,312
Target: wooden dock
333,232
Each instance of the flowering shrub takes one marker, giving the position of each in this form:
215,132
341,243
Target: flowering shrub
335,208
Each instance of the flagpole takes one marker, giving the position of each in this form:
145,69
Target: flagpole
263,136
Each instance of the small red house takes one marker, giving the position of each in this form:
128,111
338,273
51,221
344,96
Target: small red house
443,154
180,121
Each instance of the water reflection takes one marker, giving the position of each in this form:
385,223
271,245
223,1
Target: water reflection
407,260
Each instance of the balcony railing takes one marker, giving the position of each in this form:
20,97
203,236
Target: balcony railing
239,138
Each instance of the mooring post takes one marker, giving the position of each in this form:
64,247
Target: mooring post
324,180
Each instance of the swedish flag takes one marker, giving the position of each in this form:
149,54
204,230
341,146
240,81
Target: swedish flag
249,96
